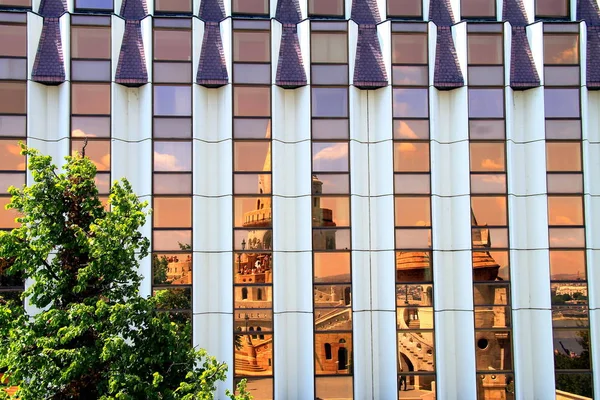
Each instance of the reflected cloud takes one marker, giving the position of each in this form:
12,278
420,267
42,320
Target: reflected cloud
335,152
167,162
488,163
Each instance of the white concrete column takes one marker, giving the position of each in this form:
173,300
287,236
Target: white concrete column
292,233
529,255
213,225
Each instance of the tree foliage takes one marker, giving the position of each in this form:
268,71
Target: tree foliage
95,336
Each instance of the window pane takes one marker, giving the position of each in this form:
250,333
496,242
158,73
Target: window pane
410,75
14,40
331,239
90,127
493,351
331,210
172,269
411,103
561,103
565,183
13,68
12,125
561,49
90,42
13,97
90,98
329,48
173,100
486,76
330,156
563,129
10,179
572,340
252,212
489,237
488,183
486,130
97,150
250,6
552,8
561,76
331,267
252,156
326,7
16,3
172,212
7,217
253,239
172,184
176,72
90,70
329,75
342,356
413,238
413,211
94,4
563,156
330,129
181,6
486,103
411,129
567,265
173,45
565,210
409,49
331,184
404,8
412,266
252,73
251,183
10,156
172,156
172,128
251,46
252,101
489,210
566,237
485,49
411,157
251,128
329,102
487,157
412,184
333,386
478,8
171,240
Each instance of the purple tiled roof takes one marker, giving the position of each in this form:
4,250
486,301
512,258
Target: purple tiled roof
440,12
593,57
288,12
290,68
447,74
134,9
212,11
369,70
49,65
212,71
523,74
365,12
514,12
131,69
587,10
52,8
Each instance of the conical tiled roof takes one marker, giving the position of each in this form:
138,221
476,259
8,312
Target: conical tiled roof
514,12
365,12
52,8
49,63
212,10
523,74
212,71
440,12
369,70
134,9
288,12
131,69
290,69
447,74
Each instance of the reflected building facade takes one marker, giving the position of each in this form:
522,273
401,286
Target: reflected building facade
351,199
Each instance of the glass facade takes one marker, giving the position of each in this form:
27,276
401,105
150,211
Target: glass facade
364,243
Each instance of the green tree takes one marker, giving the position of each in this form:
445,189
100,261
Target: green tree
95,336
